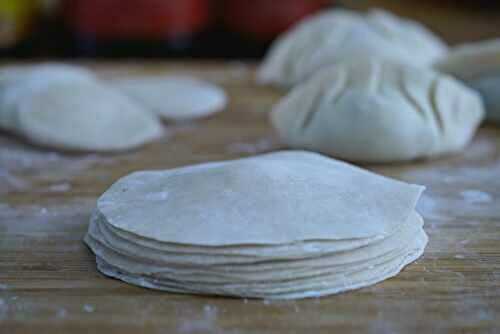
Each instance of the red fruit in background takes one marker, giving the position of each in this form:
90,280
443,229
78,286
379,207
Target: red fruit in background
137,19
265,19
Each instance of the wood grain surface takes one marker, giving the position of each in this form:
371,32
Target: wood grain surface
49,282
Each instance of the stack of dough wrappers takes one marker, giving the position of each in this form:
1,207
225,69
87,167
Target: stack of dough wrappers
276,226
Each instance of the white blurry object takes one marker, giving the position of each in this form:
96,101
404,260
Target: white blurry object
338,35
175,97
68,108
478,65
379,111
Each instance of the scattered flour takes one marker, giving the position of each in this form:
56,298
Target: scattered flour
11,183
262,145
60,187
15,156
21,164
429,207
207,323
61,313
43,221
476,196
88,308
479,186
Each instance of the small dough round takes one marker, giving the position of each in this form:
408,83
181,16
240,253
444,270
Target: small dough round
85,116
175,98
18,82
379,111
338,35
68,108
38,75
478,65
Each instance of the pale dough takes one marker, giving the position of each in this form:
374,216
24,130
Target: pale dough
379,111
338,35
208,229
68,108
175,97
478,65
196,194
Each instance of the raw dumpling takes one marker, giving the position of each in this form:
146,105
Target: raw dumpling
337,35
68,108
378,111
279,226
478,65
175,97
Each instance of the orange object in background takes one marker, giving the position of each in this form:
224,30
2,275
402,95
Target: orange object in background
265,19
137,19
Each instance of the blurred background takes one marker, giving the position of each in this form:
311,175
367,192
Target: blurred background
62,29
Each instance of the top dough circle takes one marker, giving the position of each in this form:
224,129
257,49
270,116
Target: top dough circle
275,198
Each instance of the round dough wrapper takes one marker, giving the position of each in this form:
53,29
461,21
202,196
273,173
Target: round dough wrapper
269,199
100,227
337,35
102,241
19,82
339,264
87,116
379,111
175,97
288,289
478,65
39,75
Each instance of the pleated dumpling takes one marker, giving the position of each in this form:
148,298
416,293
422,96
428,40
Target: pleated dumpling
379,111
338,35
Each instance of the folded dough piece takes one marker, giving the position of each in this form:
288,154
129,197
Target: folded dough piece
209,228
379,111
175,98
478,65
68,108
338,35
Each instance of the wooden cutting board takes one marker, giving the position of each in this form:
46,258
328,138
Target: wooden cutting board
49,282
